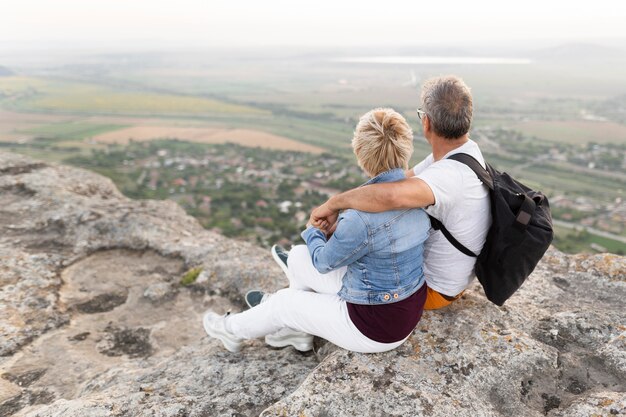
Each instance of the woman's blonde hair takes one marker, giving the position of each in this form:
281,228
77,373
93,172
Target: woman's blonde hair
383,140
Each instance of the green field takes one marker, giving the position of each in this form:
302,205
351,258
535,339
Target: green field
71,131
35,94
555,180
573,131
11,86
575,241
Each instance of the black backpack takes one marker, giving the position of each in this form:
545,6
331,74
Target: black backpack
519,235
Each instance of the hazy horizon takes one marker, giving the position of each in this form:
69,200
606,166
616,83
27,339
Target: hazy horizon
241,24
24,55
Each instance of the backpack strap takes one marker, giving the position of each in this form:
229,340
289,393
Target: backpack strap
522,217
485,177
437,225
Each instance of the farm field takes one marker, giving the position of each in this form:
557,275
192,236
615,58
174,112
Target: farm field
70,130
54,96
555,180
12,137
574,131
13,125
575,241
244,137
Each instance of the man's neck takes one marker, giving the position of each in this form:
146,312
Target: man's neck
441,146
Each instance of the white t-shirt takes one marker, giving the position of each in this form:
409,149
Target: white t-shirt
462,205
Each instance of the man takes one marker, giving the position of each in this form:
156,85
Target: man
448,190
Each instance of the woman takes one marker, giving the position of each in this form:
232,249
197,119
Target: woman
361,288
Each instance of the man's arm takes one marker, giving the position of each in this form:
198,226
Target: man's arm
375,198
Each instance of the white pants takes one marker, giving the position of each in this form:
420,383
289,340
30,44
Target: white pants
309,305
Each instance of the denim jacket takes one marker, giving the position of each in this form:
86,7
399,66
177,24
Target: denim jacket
383,251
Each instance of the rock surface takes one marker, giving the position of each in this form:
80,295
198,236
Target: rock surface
94,322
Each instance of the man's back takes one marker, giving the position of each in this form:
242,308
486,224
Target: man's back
462,205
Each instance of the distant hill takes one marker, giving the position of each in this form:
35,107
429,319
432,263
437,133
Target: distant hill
5,72
574,52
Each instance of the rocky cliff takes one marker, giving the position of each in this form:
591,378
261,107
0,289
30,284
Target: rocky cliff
94,322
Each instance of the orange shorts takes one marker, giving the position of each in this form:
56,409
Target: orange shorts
435,300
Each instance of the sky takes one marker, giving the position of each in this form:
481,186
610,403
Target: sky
247,23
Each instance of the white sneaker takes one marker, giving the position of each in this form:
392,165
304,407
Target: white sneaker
214,327
286,336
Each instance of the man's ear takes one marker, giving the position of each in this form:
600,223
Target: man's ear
426,124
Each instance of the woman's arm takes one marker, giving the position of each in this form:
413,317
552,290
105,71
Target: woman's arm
348,243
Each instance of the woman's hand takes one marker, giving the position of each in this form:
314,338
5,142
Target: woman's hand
331,230
324,218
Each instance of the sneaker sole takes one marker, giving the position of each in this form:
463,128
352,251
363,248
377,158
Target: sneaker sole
279,262
231,347
302,344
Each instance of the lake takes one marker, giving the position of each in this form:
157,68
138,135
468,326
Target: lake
429,60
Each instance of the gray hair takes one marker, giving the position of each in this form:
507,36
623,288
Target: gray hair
447,102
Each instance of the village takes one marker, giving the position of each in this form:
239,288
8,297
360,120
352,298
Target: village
242,192
265,196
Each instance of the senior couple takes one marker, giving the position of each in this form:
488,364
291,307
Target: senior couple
372,263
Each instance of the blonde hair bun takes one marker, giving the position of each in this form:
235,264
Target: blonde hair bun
382,141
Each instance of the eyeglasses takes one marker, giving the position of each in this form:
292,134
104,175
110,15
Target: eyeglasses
420,112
